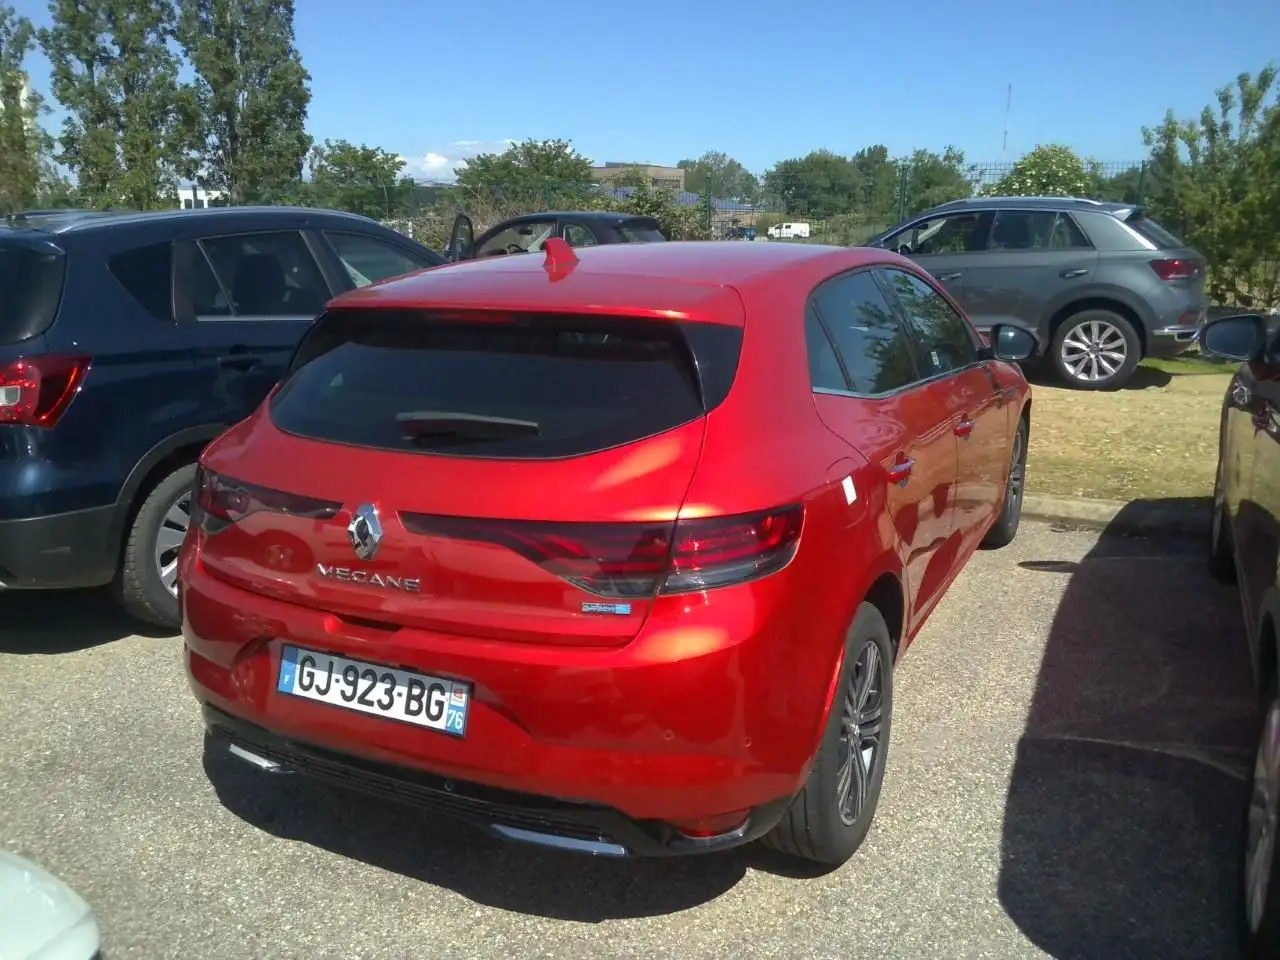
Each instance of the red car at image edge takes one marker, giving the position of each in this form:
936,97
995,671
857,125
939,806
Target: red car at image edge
610,550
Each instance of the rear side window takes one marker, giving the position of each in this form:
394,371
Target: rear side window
30,289
942,333
1035,230
147,274
641,231
526,388
824,366
872,342
1157,234
261,275
368,259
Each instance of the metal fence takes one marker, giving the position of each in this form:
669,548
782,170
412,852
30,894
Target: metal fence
842,213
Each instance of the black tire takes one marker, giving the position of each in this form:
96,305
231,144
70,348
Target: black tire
138,585
814,827
1005,528
1080,323
1260,941
1222,559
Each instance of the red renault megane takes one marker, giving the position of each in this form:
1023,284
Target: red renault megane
611,550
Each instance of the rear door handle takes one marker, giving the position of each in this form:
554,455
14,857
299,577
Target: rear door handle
964,429
900,472
944,277
1072,274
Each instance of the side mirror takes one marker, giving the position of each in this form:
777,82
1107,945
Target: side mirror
461,239
1012,344
1242,337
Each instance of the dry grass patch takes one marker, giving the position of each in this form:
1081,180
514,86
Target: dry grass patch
1144,442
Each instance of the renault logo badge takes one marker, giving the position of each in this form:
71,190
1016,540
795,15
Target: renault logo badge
365,531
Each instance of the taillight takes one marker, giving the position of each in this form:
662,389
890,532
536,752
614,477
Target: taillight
634,560
1177,269
36,391
722,550
221,500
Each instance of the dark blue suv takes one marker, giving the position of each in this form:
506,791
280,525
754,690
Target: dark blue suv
127,342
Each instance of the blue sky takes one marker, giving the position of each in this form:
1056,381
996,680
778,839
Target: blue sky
656,82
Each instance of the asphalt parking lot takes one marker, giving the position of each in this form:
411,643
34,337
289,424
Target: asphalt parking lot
1065,780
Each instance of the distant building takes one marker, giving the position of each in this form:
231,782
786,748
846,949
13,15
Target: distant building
666,178
194,197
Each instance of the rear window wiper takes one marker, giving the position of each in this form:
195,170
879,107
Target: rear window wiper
443,425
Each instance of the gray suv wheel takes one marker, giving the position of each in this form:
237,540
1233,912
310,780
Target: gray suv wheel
1096,350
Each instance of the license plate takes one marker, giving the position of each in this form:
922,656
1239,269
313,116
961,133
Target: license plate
431,702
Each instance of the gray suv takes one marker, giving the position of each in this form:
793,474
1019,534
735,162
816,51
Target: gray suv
1100,284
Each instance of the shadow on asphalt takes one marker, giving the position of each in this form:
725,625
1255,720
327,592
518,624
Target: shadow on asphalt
1121,826
458,857
64,621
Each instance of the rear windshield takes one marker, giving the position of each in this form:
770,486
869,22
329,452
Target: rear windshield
1157,234
532,387
640,231
30,289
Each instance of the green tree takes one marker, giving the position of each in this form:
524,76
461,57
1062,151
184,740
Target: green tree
23,144
932,178
819,184
249,101
1048,171
877,190
116,75
678,222
1217,182
533,175
724,177
1127,186
359,179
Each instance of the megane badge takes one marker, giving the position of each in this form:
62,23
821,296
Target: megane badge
365,531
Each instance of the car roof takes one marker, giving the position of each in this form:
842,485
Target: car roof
604,216
1034,203
674,280
83,221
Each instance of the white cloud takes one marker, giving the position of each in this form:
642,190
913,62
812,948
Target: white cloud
441,162
435,163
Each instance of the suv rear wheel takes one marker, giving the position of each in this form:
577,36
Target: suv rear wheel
147,582
831,816
1096,350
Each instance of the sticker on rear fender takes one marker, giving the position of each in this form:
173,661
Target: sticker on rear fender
617,609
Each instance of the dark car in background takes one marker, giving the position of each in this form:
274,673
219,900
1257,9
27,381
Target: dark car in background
527,234
127,342
1245,549
1102,284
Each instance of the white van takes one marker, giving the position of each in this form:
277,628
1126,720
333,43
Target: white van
789,231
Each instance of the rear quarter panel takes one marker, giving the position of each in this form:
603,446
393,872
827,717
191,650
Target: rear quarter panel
766,446
136,393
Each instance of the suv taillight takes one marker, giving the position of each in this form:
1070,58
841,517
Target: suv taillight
36,391
636,560
1177,269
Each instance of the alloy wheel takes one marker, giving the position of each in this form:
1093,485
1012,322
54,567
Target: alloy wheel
861,720
1094,351
173,530
1017,474
1264,807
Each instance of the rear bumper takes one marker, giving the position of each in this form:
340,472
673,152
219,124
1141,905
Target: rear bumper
59,551
564,825
617,745
1171,341
1175,328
